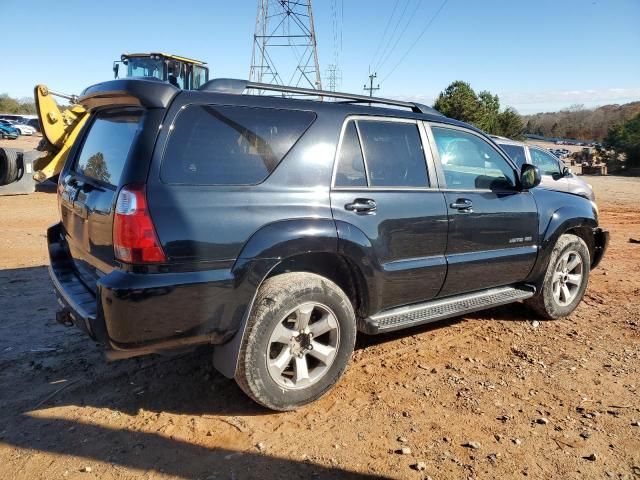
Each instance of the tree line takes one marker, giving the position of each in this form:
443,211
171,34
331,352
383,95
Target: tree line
11,105
579,123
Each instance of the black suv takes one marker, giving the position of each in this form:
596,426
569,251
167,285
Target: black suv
275,228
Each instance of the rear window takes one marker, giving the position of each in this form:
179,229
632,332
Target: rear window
107,145
228,145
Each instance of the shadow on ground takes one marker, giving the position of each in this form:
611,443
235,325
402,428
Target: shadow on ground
44,364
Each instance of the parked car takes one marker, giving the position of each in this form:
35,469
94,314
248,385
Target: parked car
555,175
276,228
7,131
20,127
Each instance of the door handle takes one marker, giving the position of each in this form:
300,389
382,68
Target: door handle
362,205
463,205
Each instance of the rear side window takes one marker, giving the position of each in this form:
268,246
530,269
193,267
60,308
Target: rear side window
228,145
106,146
393,153
516,153
351,171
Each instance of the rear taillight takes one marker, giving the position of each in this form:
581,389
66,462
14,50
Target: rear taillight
134,236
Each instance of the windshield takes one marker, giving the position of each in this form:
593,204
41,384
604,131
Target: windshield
145,67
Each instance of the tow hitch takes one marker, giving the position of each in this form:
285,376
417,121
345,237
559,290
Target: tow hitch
64,317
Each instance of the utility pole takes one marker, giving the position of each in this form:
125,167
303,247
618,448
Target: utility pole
371,88
285,37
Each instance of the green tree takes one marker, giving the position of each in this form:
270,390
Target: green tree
461,102
510,123
490,111
624,138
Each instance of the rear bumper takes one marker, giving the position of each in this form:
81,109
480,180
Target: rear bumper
73,296
600,244
135,314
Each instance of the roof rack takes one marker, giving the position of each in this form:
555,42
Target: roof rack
237,86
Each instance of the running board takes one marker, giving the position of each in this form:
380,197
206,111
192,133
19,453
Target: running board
418,314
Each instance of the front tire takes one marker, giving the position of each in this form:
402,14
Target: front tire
565,280
299,339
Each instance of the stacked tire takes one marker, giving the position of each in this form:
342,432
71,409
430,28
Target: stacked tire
10,165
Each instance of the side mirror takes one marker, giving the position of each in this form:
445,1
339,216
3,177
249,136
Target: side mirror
116,69
529,176
566,172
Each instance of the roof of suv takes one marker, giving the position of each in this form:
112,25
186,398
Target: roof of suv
155,93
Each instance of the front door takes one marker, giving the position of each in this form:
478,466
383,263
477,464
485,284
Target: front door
386,206
493,226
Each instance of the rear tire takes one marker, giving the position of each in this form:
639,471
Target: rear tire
9,165
565,280
298,341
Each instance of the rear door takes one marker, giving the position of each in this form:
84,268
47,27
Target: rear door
88,188
384,189
493,226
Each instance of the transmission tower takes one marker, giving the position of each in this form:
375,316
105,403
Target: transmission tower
284,45
333,77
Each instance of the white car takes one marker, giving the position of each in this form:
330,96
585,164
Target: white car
21,127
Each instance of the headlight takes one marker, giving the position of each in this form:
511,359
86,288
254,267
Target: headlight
595,208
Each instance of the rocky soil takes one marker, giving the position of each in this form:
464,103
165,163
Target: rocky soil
496,394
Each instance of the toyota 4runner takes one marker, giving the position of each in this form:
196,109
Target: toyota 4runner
275,228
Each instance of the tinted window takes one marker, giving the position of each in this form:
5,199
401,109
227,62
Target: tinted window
226,145
470,162
107,145
393,152
547,163
516,153
350,172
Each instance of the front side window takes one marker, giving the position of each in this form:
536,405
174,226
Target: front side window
516,153
393,154
199,77
547,163
470,162
106,147
229,145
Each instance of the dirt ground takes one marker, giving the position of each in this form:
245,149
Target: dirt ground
538,400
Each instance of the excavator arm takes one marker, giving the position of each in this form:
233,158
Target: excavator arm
60,128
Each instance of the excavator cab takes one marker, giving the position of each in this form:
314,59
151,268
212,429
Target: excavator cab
182,72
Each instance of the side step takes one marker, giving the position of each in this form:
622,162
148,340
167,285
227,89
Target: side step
420,313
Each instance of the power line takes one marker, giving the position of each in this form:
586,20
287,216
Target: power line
426,27
411,17
395,29
386,29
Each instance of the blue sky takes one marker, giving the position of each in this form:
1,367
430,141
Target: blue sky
536,55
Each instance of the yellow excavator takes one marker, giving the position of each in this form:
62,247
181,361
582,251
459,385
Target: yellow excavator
60,127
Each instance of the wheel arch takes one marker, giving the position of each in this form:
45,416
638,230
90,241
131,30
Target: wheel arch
298,245
568,219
